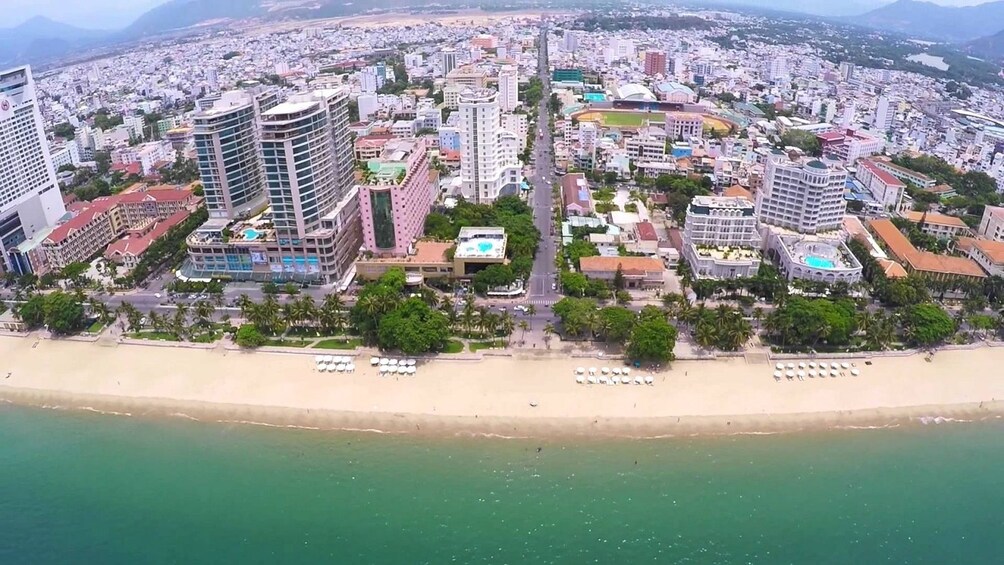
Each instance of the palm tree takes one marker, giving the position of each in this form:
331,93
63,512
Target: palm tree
429,296
507,326
468,315
531,310
758,315
155,320
101,310
203,311
290,315
245,303
179,323
132,314
306,310
523,326
705,333
484,315
268,313
548,332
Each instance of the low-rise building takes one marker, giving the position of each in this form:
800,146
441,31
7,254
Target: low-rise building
990,255
883,186
720,237
924,263
904,174
575,195
992,223
684,125
938,225
638,272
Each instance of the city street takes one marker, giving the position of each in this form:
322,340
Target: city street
543,280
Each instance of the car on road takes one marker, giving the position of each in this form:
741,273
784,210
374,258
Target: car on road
554,286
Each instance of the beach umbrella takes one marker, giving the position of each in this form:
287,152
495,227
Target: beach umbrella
801,374
855,372
617,371
777,374
779,366
835,365
639,381
812,364
613,381
579,379
393,362
591,380
649,380
833,373
412,370
791,366
605,370
844,366
340,367
626,371
374,361
384,361
318,358
332,367
592,370
801,365
626,380
579,370
604,380
384,369
350,367
790,374
812,374
412,362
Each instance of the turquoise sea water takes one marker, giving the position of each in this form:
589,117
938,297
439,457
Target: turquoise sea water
87,488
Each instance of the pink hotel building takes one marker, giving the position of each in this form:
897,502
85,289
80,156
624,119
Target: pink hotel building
395,196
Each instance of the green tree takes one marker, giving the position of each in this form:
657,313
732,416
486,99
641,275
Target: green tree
32,311
927,324
615,324
64,312
652,339
414,328
249,336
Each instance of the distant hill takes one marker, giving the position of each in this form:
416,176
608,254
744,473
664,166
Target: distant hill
924,19
40,38
177,14
989,47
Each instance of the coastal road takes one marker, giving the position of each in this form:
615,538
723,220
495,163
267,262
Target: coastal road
543,278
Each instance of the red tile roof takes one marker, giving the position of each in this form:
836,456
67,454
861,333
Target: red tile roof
136,246
882,175
76,223
646,231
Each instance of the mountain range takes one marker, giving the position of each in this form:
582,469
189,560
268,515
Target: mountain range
928,20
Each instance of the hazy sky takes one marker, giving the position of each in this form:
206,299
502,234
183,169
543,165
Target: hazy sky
95,14
114,14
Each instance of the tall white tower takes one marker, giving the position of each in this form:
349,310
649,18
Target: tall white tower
508,88
29,194
884,114
489,166
806,196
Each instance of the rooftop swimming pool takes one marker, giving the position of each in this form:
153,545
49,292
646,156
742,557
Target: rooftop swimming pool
594,97
251,234
819,262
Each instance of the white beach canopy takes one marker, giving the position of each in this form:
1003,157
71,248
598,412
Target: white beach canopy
412,370
626,371
579,370
350,367
834,373
591,380
626,380
855,372
791,366
639,381
812,374
777,374
580,379
812,364
801,374
605,370
318,358
374,361
790,374
845,366
384,361
779,366
835,365
649,380
592,370
801,365
604,380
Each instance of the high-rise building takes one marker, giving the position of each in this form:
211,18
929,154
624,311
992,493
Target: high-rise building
655,63
395,197
571,41
489,166
307,153
226,147
885,112
29,194
449,59
846,71
714,222
806,196
508,88
775,69
312,232
368,106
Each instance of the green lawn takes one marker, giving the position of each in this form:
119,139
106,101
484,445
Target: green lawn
453,346
96,327
287,343
339,343
478,345
630,119
156,336
207,337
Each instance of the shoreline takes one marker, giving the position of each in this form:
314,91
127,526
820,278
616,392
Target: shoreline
505,428
498,396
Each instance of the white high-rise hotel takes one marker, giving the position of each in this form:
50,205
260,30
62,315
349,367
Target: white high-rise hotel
489,162
508,88
29,194
805,196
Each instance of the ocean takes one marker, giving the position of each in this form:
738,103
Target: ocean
78,487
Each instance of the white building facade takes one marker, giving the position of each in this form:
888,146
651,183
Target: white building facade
489,163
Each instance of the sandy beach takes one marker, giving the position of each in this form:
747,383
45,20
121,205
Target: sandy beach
493,396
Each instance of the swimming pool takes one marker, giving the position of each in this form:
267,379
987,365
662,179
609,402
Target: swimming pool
485,246
819,262
251,234
594,97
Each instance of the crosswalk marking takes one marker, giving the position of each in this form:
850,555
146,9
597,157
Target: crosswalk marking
539,301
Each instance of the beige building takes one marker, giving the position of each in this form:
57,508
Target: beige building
638,272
